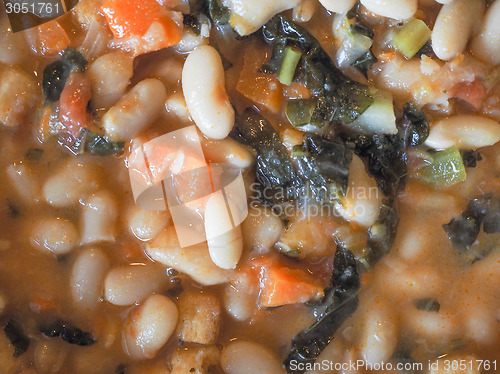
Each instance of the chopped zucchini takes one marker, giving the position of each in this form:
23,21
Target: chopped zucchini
445,168
299,112
411,37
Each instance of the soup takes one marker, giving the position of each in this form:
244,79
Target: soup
248,187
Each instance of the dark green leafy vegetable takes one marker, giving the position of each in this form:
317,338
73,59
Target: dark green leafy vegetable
491,223
299,112
471,158
218,12
387,160
464,229
191,22
427,304
365,62
17,337
274,167
346,99
69,333
414,127
324,162
381,234
338,305
57,72
95,144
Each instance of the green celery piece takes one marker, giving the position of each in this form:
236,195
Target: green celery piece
299,112
291,59
411,38
445,169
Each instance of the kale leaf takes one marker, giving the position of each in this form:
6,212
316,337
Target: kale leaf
17,337
56,73
381,234
471,158
338,305
69,333
414,127
95,144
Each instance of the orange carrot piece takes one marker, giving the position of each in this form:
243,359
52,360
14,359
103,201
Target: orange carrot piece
41,304
472,92
262,89
280,285
136,18
296,91
52,38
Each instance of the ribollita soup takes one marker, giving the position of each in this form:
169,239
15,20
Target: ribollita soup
236,187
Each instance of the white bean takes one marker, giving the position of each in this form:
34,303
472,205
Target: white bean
363,198
176,106
3,303
146,224
149,326
18,95
205,93
305,10
244,357
444,1
453,27
240,298
464,132
194,261
135,111
225,243
110,76
87,276
226,151
397,9
49,356
249,16
129,284
24,182
98,218
338,6
379,335
56,235
486,45
434,326
69,182
262,229
190,41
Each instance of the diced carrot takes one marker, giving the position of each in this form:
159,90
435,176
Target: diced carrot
45,122
140,18
472,92
52,38
386,56
73,103
280,285
262,89
296,91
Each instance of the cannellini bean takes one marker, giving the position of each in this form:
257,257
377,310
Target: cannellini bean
190,41
240,298
69,182
481,324
453,27
194,261
249,16
149,326
226,151
338,6
13,47
98,218
110,76
434,326
397,9
244,357
205,93
87,276
305,10
23,180
18,95
486,45
49,356
135,111
56,235
3,303
379,335
363,198
464,132
129,284
225,243
176,106
146,224
444,1
262,229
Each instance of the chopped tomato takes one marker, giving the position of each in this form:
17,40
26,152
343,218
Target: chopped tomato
73,103
281,285
52,38
472,92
